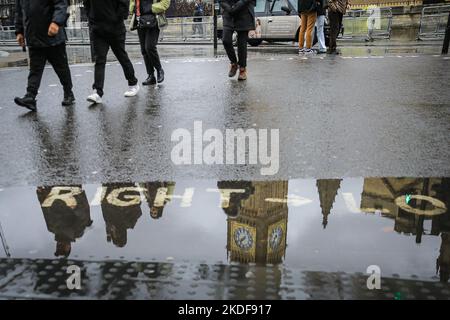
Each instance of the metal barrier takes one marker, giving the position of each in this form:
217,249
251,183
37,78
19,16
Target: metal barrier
433,22
185,29
373,23
178,29
7,34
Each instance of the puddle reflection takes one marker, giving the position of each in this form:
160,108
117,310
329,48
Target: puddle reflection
328,224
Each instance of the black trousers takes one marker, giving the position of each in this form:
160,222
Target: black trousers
335,26
101,45
57,57
242,37
148,39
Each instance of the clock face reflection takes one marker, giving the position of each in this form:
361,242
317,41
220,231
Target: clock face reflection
275,237
243,238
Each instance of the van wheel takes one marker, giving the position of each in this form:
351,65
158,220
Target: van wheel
254,42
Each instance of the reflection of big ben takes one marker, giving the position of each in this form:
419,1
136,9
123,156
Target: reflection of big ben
258,233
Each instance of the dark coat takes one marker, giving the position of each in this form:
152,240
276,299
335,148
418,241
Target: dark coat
305,6
106,17
321,10
33,17
146,7
241,20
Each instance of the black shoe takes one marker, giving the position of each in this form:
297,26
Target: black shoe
150,80
28,101
160,75
69,99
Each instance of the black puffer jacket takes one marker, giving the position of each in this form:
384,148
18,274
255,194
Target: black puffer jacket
106,17
305,6
242,19
33,17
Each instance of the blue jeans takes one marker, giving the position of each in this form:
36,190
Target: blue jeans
320,22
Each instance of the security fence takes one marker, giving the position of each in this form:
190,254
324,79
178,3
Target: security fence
373,23
433,22
369,24
183,29
188,29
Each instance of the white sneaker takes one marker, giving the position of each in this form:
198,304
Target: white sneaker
132,91
94,98
309,51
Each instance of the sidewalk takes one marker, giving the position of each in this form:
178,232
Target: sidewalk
13,57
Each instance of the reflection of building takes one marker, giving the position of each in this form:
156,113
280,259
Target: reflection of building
327,189
258,233
380,195
443,261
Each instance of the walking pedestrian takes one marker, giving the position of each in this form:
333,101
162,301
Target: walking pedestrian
40,26
149,15
320,24
336,11
308,16
238,16
198,13
106,22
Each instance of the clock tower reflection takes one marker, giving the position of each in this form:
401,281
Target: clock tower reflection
257,228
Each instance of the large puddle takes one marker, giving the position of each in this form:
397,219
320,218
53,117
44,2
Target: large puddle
401,225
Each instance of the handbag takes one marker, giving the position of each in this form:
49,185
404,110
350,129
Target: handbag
147,21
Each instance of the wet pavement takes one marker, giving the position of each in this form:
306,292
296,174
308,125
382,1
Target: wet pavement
205,239
338,116
12,56
96,186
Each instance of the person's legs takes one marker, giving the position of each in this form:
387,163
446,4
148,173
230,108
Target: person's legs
57,57
142,35
201,26
227,40
311,21
101,48
38,57
151,42
118,48
301,35
320,23
242,38
334,29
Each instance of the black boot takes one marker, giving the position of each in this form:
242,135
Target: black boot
151,80
160,75
28,101
69,99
